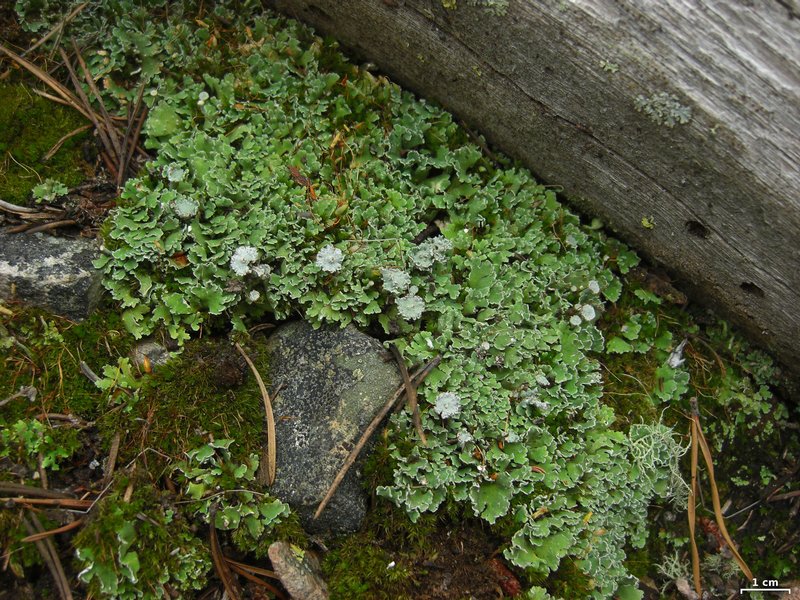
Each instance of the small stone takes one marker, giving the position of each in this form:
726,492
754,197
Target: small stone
299,571
50,272
334,381
155,354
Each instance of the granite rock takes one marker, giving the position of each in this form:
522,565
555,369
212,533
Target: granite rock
50,272
333,382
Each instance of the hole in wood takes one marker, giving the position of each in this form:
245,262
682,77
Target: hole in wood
697,229
752,289
315,12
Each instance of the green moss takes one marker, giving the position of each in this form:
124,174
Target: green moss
358,570
47,352
21,556
567,582
29,127
206,391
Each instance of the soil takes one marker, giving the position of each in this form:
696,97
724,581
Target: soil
463,563
13,36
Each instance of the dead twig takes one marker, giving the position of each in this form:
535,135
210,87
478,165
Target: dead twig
220,565
57,146
52,98
51,225
260,327
65,503
20,489
87,105
87,370
20,210
40,536
699,441
411,394
130,139
418,377
784,496
252,569
49,555
27,391
42,471
55,30
54,85
112,459
245,572
71,419
271,442
111,131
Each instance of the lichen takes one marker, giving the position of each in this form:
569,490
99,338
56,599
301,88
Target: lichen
664,109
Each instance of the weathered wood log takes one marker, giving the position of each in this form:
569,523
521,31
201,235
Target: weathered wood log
567,88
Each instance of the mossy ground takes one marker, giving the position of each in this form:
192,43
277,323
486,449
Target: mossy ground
206,392
29,127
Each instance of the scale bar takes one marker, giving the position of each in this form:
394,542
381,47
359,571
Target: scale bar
765,590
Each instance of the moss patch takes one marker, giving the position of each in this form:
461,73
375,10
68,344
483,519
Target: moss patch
29,127
205,393
45,351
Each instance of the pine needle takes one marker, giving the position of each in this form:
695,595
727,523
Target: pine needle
272,448
416,378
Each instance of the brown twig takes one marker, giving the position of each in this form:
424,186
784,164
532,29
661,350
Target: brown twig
52,98
14,208
57,29
90,375
19,228
28,391
260,327
49,555
418,376
109,125
699,441
271,449
57,146
20,489
784,496
42,471
71,419
112,459
54,85
411,394
51,225
253,569
88,111
245,572
66,503
129,142
44,534
220,566
109,164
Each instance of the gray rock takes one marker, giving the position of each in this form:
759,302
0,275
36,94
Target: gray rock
299,571
50,272
334,381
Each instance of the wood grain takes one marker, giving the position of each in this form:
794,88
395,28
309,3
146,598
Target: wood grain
723,190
